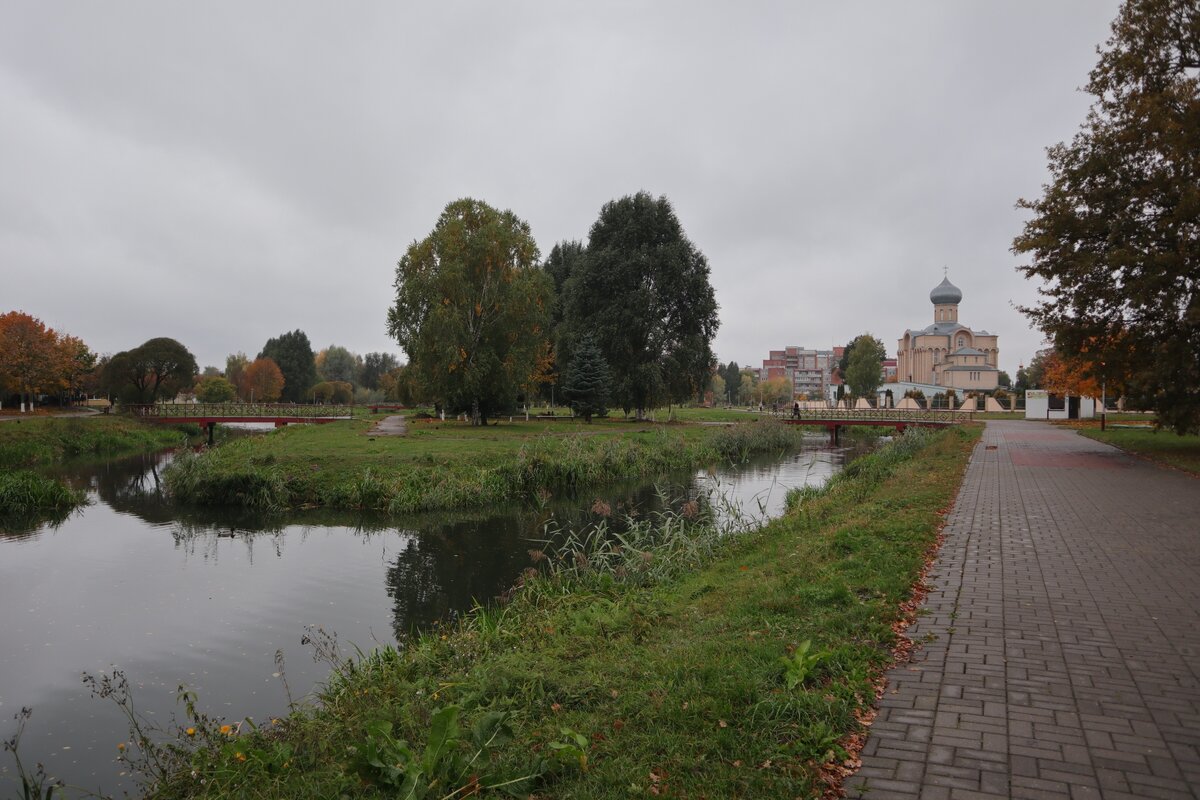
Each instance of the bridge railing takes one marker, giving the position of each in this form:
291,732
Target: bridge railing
218,410
889,415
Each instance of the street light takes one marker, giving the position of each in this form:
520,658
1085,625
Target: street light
1103,397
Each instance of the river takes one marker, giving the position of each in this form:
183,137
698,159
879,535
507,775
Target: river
207,598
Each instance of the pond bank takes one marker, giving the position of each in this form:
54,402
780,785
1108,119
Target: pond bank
30,446
745,673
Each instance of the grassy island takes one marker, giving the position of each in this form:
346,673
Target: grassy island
674,661
450,465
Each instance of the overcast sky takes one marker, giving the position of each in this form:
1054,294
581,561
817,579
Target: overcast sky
221,173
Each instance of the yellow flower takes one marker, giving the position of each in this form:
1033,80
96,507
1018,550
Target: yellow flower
121,747
190,731
227,730
240,756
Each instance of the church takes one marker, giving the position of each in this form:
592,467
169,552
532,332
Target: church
947,353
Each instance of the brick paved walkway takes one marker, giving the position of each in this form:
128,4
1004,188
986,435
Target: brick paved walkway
1066,662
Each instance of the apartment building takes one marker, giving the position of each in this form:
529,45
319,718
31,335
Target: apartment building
809,371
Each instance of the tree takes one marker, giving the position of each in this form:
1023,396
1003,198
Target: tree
1022,384
234,364
641,289
293,355
1068,376
336,363
774,391
587,380
1003,379
28,352
748,388
472,309
733,380
74,362
559,265
1114,236
399,385
374,367
717,387
333,392
1035,372
168,367
262,382
215,389
159,367
864,371
876,346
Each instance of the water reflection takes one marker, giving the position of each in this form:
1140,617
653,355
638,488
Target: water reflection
206,597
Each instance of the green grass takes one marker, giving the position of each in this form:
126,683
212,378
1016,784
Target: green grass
44,441
451,465
23,493
739,672
1181,452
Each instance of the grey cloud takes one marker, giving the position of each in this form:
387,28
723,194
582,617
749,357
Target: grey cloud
222,173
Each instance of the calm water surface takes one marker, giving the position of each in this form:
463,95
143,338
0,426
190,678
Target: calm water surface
207,598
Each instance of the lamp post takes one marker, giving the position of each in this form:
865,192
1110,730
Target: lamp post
1103,397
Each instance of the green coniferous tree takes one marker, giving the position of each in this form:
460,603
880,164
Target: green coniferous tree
587,380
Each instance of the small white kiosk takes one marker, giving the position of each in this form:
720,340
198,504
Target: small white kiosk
1041,404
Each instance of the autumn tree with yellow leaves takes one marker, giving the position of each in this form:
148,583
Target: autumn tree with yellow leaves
472,309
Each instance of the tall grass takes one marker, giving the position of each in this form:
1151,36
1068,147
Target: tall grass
23,492
739,442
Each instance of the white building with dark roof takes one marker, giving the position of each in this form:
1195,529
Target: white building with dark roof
948,353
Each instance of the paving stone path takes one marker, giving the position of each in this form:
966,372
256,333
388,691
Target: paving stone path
389,426
1063,652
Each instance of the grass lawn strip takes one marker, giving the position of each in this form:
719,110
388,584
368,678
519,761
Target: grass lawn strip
1163,446
746,677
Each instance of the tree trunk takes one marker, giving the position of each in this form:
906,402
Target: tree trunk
475,416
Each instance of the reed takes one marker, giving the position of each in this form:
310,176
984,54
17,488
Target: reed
23,492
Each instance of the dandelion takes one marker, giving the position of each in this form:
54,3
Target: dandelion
190,731
226,730
121,746
240,756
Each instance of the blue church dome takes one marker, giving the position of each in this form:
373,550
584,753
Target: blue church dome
945,293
